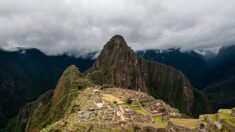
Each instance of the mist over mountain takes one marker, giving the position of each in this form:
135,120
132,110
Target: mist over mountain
80,27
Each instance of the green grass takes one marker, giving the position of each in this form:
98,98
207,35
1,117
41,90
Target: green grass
110,98
142,111
136,107
154,125
213,117
159,120
226,115
188,123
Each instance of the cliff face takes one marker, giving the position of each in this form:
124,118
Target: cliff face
118,64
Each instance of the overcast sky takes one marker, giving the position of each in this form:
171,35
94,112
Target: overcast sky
80,26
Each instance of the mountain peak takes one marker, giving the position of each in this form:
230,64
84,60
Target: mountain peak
66,83
114,51
117,42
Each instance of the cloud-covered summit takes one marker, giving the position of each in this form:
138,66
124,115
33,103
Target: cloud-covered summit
80,26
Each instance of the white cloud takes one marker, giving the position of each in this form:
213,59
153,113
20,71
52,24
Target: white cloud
80,26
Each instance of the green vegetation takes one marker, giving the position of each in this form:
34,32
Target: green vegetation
188,123
159,119
136,107
225,114
155,125
129,101
213,117
110,98
142,111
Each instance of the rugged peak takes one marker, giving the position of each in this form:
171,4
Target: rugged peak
114,51
117,42
73,69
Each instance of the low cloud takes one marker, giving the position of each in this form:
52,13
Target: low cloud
80,26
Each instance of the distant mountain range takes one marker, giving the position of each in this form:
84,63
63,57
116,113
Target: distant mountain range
212,73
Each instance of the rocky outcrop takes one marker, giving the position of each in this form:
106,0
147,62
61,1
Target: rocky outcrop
118,64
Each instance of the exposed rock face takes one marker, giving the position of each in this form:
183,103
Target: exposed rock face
118,64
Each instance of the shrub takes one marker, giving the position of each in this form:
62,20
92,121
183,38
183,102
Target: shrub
129,101
162,110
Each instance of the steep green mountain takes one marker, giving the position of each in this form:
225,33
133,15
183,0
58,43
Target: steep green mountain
52,105
118,64
214,74
27,73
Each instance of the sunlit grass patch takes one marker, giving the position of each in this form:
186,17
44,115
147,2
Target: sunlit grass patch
142,111
213,117
110,98
188,123
156,125
225,111
225,114
159,119
136,107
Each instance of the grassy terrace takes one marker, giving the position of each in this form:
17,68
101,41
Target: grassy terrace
187,123
136,107
163,125
225,114
110,98
159,120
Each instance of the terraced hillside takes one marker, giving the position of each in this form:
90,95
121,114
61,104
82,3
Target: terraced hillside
109,109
